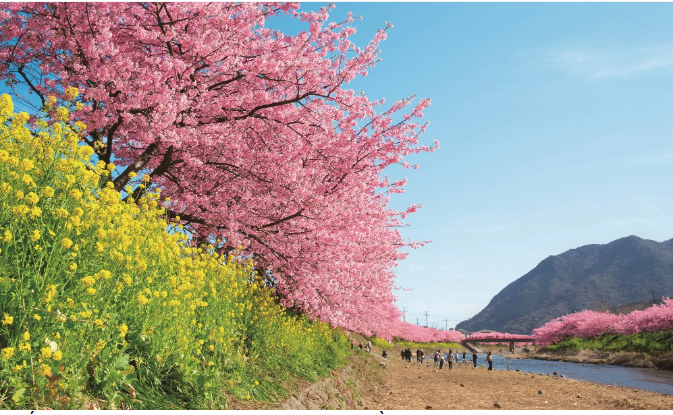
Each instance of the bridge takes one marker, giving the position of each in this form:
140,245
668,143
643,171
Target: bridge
501,341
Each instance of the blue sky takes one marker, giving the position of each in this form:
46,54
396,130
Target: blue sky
555,128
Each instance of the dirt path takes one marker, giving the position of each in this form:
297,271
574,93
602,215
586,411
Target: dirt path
412,386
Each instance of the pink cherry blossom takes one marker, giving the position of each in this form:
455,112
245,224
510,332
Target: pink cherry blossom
589,323
252,133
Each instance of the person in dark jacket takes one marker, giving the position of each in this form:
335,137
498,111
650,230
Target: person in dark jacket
409,355
489,359
474,359
402,353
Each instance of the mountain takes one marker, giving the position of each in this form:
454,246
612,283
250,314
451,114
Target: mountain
621,272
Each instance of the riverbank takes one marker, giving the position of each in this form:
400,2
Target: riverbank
602,357
363,383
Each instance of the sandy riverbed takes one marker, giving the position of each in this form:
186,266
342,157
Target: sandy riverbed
412,386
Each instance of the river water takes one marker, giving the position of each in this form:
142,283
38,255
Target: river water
648,379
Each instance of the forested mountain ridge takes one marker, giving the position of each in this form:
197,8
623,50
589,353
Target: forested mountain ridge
623,271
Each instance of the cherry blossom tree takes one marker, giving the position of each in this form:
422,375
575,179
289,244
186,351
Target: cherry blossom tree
252,134
411,332
501,336
589,323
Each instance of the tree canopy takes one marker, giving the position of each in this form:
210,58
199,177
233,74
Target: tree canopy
252,134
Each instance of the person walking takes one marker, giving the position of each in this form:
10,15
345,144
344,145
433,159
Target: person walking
474,359
422,355
456,357
436,358
352,344
464,361
451,356
418,355
441,360
489,359
369,345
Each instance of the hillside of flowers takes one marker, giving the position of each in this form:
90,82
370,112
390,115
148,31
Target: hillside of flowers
105,300
587,323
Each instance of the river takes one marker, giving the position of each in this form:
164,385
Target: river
648,379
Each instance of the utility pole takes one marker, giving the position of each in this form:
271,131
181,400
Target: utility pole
426,319
417,321
404,313
446,324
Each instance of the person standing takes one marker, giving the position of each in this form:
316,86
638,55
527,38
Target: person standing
464,361
451,360
474,359
422,355
402,353
456,357
369,345
436,358
489,359
352,344
441,360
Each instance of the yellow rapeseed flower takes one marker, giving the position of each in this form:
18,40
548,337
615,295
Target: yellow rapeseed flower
58,355
7,320
7,353
47,192
26,165
71,93
35,235
66,243
45,352
31,197
26,336
44,370
87,281
76,194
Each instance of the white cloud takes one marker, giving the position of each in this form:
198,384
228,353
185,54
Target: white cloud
610,63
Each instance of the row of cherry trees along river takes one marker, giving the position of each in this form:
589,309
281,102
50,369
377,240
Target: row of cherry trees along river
255,140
